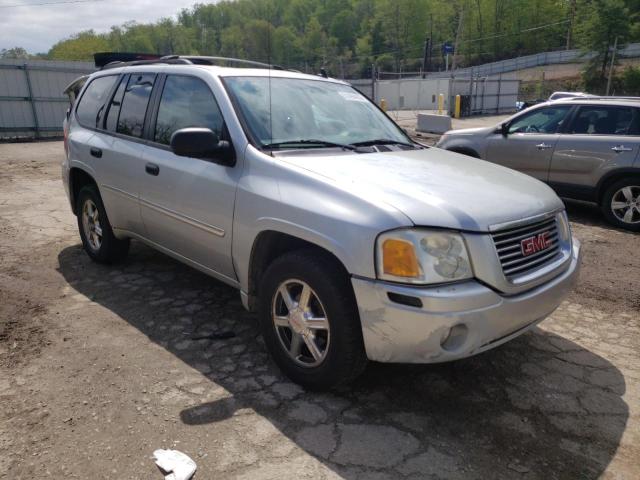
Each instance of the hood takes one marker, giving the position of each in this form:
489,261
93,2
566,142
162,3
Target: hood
434,187
471,131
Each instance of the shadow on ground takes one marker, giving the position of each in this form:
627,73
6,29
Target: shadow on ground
540,405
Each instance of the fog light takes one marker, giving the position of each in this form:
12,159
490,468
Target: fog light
455,338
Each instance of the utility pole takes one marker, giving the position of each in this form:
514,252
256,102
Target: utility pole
458,32
613,58
425,57
572,14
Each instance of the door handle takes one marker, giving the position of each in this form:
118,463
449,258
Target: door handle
543,146
96,152
152,169
621,148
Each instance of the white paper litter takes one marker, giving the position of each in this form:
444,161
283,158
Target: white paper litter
176,464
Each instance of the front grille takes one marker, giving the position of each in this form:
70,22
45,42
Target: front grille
508,245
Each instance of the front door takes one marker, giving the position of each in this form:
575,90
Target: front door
187,203
528,145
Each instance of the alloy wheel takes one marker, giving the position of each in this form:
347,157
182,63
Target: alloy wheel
625,204
301,323
91,224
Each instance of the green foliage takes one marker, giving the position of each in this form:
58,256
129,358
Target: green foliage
602,22
630,81
14,53
347,36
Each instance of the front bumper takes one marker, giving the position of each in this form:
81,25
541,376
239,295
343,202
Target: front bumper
455,321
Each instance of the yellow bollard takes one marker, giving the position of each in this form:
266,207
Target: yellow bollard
456,112
440,103
383,104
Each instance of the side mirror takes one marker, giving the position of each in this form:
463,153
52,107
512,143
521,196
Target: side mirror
504,129
202,143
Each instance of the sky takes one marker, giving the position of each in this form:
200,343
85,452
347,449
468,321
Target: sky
37,27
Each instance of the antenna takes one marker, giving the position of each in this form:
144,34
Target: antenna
269,62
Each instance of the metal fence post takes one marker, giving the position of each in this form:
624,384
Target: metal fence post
31,101
498,94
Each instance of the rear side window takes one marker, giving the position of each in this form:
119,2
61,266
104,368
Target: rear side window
114,107
606,120
91,104
186,102
134,104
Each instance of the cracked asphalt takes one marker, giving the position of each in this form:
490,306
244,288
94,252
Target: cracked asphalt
99,366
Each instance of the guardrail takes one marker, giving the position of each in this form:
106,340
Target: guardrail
632,50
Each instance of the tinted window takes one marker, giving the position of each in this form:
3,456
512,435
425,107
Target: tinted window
134,104
603,120
114,107
92,102
541,120
186,102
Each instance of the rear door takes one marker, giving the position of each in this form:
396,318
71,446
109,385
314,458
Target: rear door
528,146
120,147
600,138
187,203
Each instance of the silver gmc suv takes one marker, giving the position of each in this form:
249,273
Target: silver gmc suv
585,148
349,240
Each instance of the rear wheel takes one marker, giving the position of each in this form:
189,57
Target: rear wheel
309,320
97,236
621,204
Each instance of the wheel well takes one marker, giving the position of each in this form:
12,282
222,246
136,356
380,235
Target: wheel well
610,180
78,178
465,151
270,245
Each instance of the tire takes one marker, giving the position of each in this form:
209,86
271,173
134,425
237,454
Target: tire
625,194
331,294
100,244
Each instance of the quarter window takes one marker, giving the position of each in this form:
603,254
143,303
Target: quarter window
186,102
134,104
91,104
606,120
541,120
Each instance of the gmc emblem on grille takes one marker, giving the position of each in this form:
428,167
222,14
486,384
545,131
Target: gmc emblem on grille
534,244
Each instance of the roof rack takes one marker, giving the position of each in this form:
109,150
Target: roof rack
597,97
106,61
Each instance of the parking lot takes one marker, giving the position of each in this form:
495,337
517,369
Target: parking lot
100,366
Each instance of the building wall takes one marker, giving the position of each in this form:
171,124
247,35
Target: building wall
413,93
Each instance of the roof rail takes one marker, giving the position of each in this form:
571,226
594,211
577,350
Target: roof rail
597,97
163,60
109,60
206,60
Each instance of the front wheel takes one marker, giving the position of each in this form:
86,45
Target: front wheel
96,234
309,320
621,204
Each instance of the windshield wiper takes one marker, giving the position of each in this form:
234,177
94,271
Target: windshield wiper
309,143
383,141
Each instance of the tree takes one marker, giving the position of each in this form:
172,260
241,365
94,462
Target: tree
14,53
81,46
602,22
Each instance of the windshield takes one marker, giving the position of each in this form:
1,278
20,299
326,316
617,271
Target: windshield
309,113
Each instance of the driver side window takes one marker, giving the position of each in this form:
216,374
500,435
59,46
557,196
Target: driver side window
541,120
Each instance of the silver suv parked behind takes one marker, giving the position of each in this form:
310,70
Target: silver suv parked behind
584,148
349,240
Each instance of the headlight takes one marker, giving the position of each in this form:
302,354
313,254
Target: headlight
422,256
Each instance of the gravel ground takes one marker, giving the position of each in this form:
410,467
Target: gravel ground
99,367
